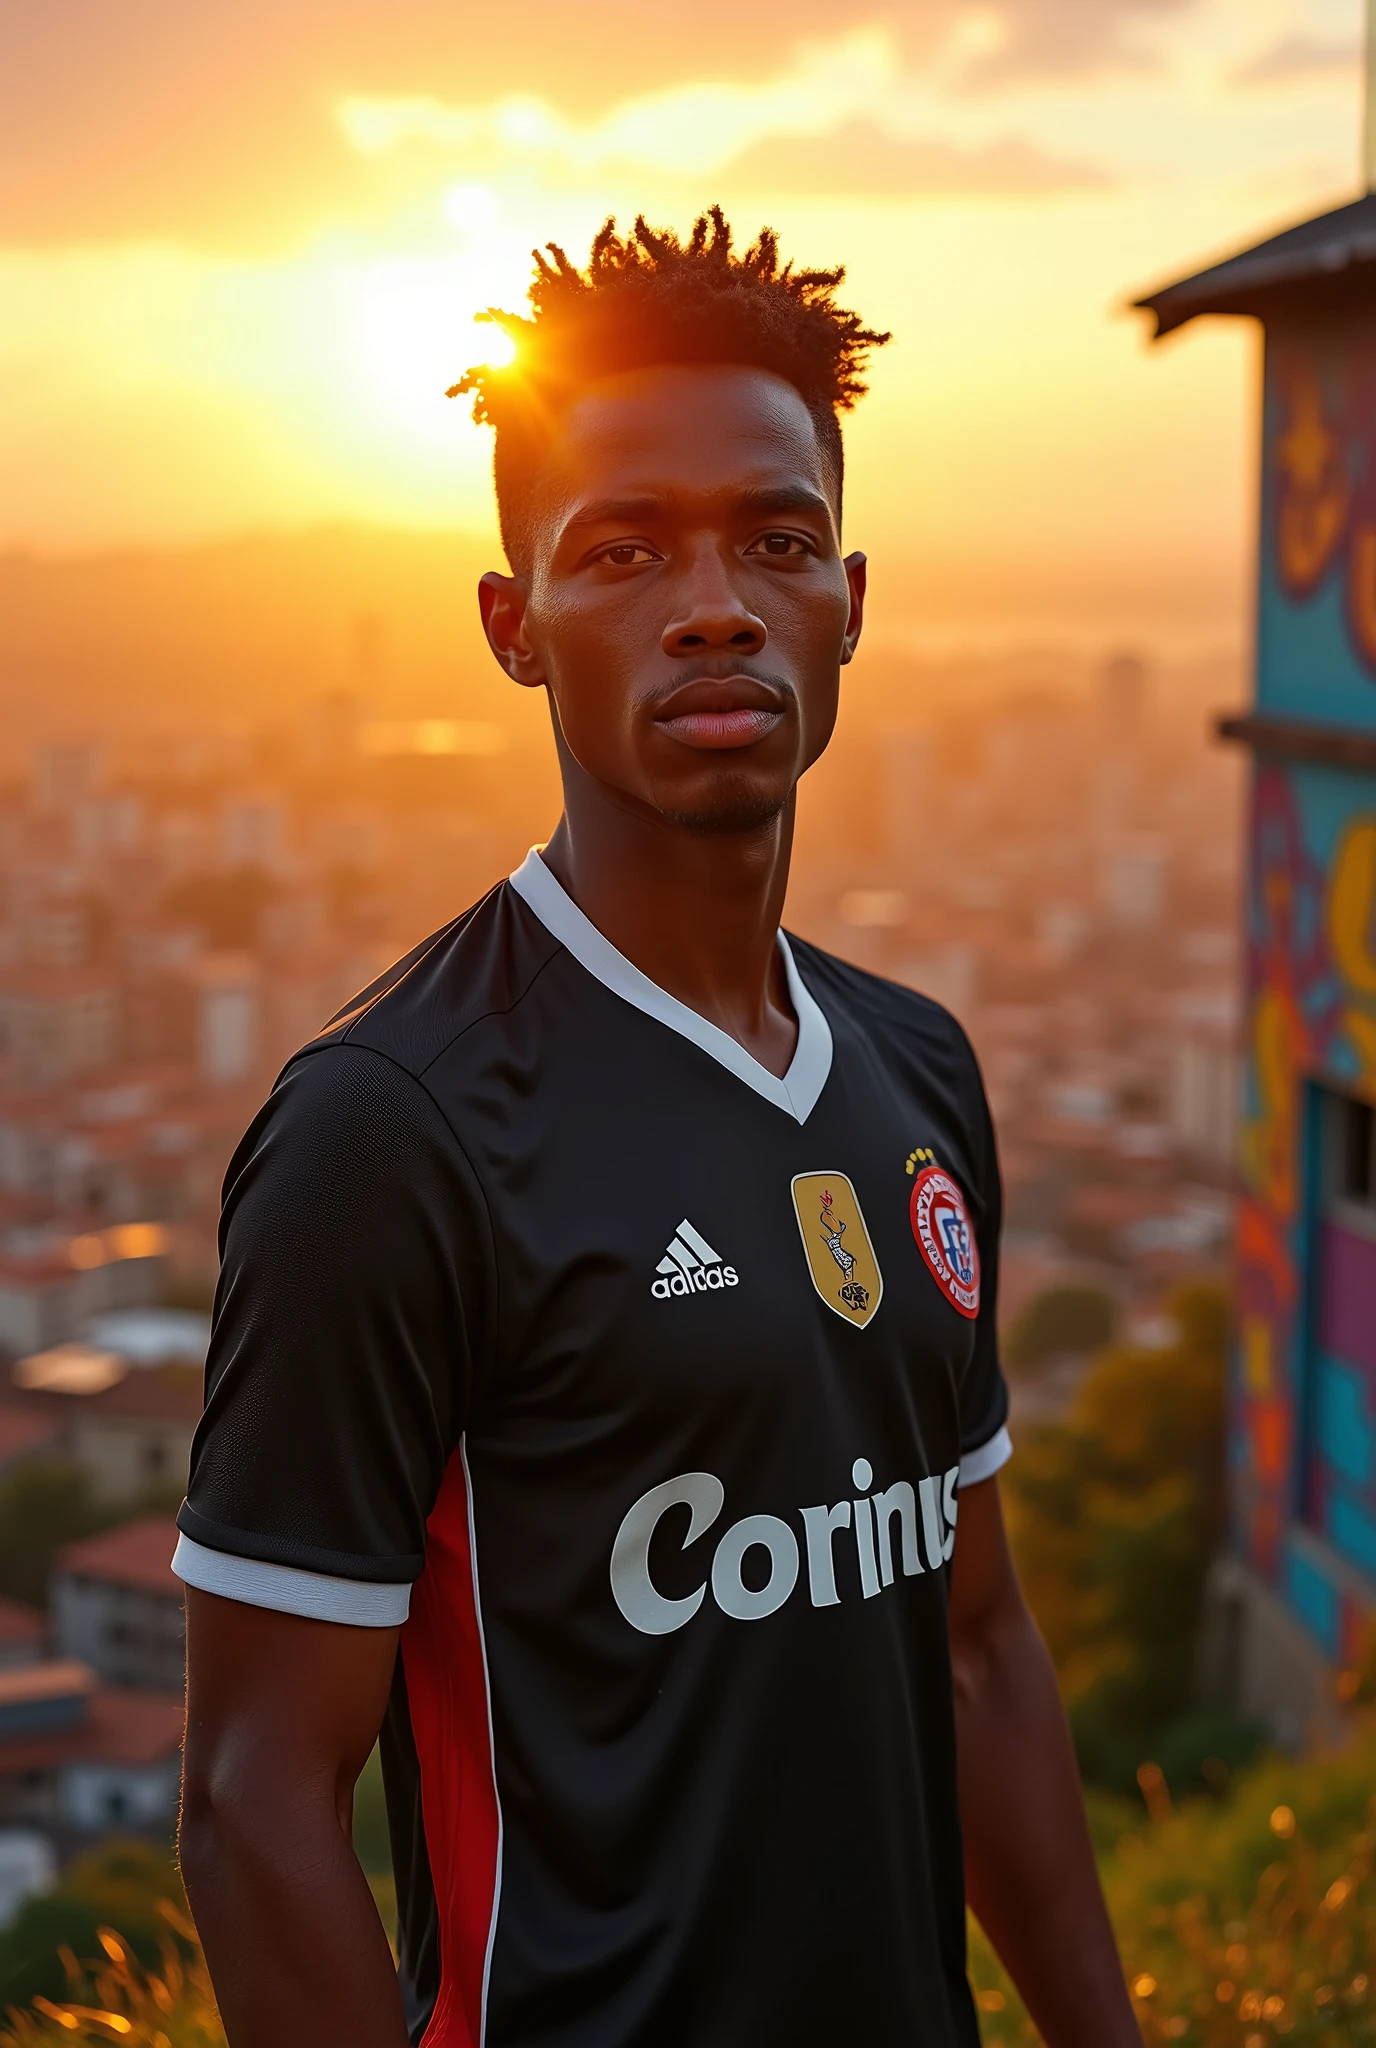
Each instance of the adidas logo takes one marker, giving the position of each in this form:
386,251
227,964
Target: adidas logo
690,1266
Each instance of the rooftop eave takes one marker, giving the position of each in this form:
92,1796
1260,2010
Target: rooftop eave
1331,255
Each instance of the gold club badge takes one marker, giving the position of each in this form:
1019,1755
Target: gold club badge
840,1257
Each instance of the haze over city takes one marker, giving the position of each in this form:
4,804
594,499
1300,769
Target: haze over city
254,748
241,252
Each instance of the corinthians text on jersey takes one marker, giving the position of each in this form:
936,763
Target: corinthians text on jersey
870,1519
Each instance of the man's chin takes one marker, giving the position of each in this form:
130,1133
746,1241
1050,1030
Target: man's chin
727,809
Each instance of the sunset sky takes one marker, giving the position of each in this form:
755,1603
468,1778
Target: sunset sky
241,246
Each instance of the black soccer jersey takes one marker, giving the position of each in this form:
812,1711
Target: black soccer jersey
638,1384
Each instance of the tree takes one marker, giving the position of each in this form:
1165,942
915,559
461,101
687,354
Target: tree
48,1502
1060,1320
1114,1514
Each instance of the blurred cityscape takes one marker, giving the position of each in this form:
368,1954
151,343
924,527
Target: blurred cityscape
1049,847
254,749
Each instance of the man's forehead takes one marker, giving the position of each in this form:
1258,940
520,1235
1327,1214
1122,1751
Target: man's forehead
686,431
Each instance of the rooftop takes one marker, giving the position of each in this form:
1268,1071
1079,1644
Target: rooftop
1333,257
69,1369
60,1680
154,1393
139,1554
151,1336
121,1727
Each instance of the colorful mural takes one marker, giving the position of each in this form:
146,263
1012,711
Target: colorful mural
1316,656
1303,1444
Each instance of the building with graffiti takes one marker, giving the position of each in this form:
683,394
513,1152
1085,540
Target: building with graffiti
1293,1617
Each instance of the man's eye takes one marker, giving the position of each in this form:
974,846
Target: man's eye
628,554
778,544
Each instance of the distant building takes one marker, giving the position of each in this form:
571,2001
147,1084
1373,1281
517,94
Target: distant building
1203,1083
23,1635
28,1867
65,776
40,1301
949,975
1294,1604
52,1279
57,930
57,1022
304,993
224,991
253,832
130,1429
115,1605
128,1143
138,1433
110,823
1124,690
152,1336
1132,883
83,1758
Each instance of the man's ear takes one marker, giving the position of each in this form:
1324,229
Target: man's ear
857,571
502,601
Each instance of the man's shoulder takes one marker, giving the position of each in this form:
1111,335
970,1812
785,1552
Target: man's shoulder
480,965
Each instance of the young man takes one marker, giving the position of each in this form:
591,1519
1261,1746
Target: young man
604,1357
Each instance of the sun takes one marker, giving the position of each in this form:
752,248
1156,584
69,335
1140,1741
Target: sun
415,330
499,350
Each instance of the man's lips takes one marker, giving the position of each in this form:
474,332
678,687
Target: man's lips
739,728
735,712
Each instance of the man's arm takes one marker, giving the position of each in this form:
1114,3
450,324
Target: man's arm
1029,1866
281,1716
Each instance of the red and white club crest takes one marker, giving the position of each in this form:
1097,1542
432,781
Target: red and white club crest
941,1226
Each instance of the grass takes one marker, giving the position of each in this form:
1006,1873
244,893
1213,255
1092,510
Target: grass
1244,1921
116,1998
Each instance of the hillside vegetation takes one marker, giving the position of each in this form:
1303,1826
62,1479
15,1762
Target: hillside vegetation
1244,1921
1244,1899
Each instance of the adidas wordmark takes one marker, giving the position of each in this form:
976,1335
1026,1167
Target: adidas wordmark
690,1266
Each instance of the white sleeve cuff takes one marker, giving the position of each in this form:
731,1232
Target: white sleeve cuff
357,1602
987,1460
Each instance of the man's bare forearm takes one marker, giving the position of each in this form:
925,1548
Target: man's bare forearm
281,1715
291,1934
1030,1871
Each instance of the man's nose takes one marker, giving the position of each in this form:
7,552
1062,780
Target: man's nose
713,615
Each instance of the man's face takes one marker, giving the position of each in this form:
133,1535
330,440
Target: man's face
687,606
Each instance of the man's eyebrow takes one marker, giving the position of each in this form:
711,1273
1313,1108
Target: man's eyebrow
617,511
769,498
756,502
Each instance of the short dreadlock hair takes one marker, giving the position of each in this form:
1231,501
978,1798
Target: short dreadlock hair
650,299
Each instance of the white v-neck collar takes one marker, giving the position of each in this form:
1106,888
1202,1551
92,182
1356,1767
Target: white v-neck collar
796,1094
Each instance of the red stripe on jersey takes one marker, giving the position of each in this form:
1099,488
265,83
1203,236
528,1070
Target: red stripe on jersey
451,1720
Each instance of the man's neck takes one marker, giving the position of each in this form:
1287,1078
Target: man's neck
698,912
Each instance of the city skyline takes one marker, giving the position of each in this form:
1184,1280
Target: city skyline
239,259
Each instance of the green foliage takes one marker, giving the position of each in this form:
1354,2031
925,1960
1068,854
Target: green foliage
115,1998
1063,1319
1114,1514
1242,1922
121,1884
44,1503
372,1844
48,1502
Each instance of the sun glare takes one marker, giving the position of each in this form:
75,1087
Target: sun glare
499,349
472,208
416,332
